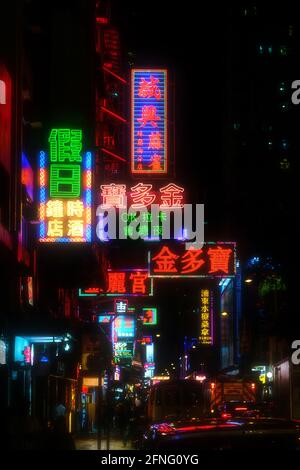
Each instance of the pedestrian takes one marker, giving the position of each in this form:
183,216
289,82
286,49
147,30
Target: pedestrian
123,415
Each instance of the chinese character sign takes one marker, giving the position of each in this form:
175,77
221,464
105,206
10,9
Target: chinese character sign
206,317
150,353
213,260
123,327
149,138
123,352
149,316
121,306
141,195
128,283
65,189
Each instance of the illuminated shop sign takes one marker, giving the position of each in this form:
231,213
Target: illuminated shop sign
149,370
123,327
3,351
104,318
27,177
149,118
5,117
206,317
149,316
213,260
123,352
23,351
121,306
145,340
150,353
129,283
65,189
168,196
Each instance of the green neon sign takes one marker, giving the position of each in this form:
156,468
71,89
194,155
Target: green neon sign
65,180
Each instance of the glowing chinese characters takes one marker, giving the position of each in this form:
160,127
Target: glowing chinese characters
65,189
149,145
170,196
132,282
213,260
206,317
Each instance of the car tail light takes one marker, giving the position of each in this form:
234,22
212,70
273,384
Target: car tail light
226,415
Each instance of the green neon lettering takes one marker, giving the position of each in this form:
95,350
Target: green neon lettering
65,145
65,180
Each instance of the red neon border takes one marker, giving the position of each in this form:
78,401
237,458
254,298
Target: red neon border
166,156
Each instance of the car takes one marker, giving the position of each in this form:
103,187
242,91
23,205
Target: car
221,434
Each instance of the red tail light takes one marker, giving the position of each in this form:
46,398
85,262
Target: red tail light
225,415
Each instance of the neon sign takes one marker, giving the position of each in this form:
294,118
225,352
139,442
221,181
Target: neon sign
150,353
123,327
206,317
5,117
121,306
123,352
149,114
122,334
213,260
141,195
65,189
27,176
129,283
145,340
149,316
104,318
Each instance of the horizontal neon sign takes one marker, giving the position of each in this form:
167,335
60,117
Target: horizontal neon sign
141,195
128,283
213,260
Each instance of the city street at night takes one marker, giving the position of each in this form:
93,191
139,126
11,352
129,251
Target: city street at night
148,232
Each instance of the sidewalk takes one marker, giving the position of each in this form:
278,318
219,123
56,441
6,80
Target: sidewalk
90,443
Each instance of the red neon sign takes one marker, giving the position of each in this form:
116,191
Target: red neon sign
132,282
213,260
141,195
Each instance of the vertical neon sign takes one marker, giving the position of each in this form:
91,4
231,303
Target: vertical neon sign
65,189
149,113
206,317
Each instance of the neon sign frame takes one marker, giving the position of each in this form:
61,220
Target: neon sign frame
83,194
173,255
158,128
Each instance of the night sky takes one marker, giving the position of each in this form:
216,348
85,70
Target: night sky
189,44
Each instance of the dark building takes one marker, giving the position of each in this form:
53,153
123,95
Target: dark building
47,79
259,161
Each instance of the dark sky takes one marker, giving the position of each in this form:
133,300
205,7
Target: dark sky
189,44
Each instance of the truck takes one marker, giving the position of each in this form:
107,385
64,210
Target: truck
224,389
286,389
